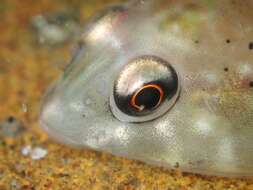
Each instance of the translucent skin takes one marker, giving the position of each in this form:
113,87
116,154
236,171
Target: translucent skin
210,128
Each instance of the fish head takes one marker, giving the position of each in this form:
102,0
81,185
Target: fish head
168,87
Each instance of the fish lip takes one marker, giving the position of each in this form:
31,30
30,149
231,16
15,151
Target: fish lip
44,125
44,122
54,133
51,131
43,104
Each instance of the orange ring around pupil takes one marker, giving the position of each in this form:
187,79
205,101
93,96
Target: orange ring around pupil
157,87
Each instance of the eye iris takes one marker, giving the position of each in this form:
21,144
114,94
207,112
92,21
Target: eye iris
147,98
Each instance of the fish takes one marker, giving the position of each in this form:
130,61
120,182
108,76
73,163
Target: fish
166,82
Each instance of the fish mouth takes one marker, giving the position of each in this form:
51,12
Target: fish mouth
52,126
54,118
45,116
50,117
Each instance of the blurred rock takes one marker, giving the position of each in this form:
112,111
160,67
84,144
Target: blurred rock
56,28
11,127
38,153
26,150
35,153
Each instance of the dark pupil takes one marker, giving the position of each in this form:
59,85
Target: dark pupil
148,98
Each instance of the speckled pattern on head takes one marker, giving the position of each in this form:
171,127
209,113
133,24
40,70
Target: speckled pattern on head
209,130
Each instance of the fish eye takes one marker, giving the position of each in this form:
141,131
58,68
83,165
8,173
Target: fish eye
146,88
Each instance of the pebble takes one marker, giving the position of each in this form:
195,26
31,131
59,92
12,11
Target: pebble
26,150
36,153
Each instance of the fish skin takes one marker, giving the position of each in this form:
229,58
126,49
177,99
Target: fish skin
209,130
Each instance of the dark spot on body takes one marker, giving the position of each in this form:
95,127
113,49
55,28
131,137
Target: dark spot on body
196,41
251,45
228,41
251,84
226,69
